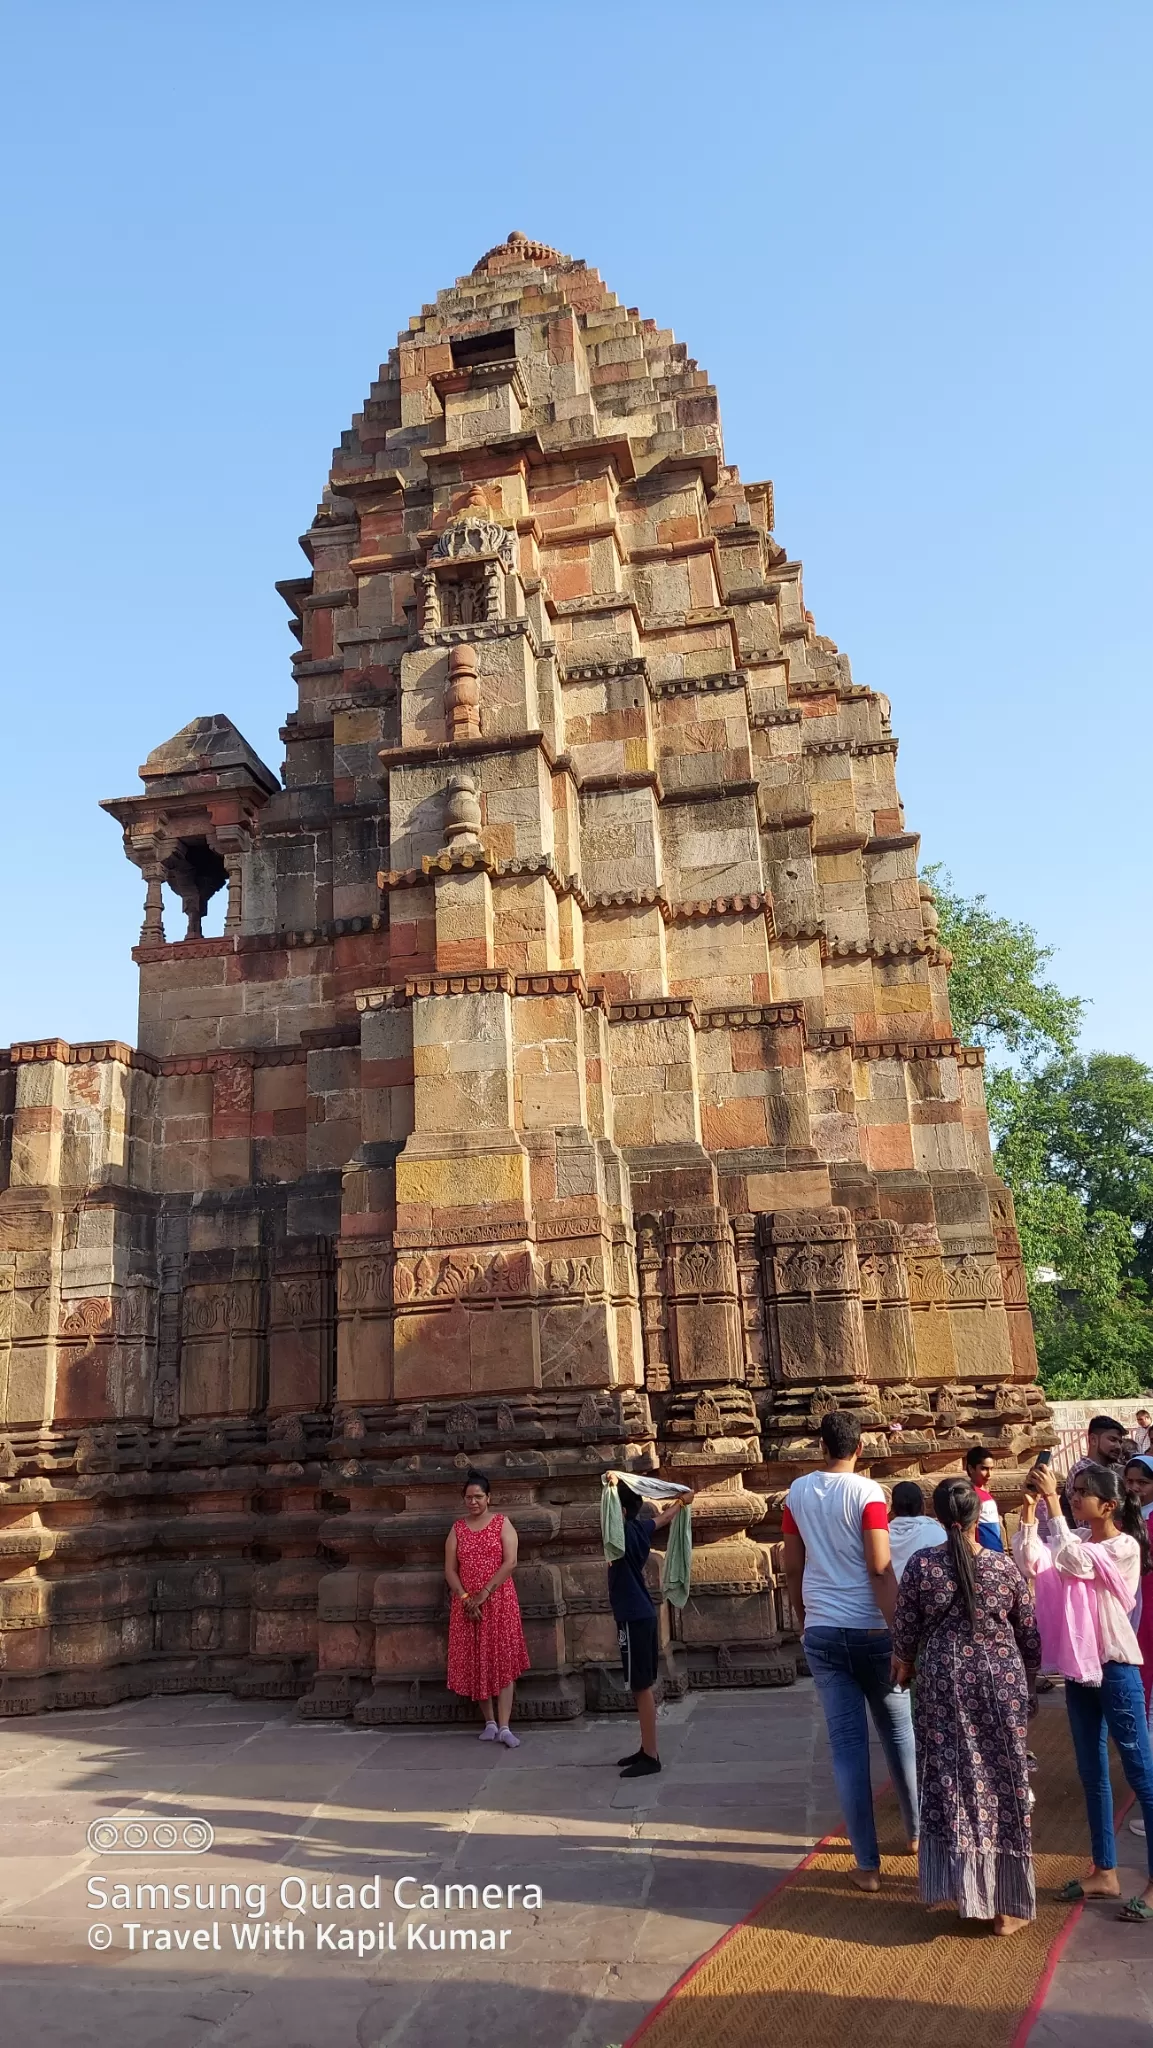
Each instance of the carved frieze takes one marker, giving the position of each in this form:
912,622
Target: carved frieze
811,1280
473,535
973,1278
464,1275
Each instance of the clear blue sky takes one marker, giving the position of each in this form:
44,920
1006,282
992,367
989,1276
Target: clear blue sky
910,244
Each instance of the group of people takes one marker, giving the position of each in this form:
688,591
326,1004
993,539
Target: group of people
487,1651
922,1622
926,1624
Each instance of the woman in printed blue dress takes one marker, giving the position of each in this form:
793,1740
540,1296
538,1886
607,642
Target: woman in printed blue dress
965,1623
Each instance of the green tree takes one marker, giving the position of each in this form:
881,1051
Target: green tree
1073,1139
998,998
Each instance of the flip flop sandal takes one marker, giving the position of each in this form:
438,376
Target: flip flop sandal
1070,1893
1135,1910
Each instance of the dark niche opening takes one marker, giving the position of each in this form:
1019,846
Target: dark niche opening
195,873
483,348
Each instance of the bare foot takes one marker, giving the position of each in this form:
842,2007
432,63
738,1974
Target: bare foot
866,1880
1101,1884
1004,1923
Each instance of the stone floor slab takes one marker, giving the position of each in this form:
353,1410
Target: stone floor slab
639,1877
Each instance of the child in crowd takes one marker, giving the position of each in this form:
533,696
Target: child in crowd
978,1466
910,1528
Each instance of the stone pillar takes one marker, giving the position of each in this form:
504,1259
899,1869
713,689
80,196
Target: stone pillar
233,916
462,696
152,929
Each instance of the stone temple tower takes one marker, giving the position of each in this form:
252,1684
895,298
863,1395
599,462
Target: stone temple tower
572,1083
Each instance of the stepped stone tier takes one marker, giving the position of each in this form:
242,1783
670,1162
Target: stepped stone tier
572,1084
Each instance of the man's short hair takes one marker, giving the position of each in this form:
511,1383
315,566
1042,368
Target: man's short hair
840,1433
1101,1422
907,1498
977,1455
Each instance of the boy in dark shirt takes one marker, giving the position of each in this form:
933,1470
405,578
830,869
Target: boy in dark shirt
636,1620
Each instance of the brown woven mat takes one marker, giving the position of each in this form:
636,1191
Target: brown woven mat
820,1964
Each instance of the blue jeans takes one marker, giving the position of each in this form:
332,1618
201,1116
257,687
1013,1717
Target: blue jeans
1114,1708
851,1669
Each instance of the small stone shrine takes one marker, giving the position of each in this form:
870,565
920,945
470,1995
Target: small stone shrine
572,1083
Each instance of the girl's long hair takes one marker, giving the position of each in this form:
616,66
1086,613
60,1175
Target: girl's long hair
957,1508
1104,1485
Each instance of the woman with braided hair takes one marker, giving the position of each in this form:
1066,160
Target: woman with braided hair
965,1623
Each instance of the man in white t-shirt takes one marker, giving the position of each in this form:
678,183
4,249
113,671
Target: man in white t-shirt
843,1592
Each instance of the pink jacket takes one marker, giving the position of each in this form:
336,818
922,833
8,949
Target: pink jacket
1067,1608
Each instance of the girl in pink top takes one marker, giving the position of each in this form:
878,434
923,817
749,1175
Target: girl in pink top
1087,1583
1139,1487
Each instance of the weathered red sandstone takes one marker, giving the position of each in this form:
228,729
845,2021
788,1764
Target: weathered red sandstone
573,1082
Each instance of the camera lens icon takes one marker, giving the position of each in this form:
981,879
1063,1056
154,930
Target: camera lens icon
131,1836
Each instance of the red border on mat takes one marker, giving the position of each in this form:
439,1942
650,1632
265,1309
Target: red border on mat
1029,2017
1033,2011
686,1977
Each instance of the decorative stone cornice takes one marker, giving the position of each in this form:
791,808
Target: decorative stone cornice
605,671
754,1016
449,861
841,1037
689,686
717,906
561,981
484,629
33,1051
241,1056
651,1008
888,949
763,721
623,899
492,981
915,1049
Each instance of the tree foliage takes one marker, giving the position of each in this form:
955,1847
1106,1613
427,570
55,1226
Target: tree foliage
1073,1139
996,992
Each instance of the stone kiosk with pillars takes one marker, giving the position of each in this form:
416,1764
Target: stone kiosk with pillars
571,1085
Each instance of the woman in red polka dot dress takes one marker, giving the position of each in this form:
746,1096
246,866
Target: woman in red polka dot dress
487,1652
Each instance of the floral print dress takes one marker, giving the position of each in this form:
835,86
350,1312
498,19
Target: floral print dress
487,1654
970,1717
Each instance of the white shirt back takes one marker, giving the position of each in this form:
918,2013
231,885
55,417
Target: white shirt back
827,1508
910,1533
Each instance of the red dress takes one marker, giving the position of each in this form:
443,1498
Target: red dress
486,1655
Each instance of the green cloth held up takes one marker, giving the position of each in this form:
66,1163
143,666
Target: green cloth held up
612,1522
678,1569
678,1560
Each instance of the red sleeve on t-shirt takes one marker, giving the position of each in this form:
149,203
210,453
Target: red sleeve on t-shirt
875,1515
788,1525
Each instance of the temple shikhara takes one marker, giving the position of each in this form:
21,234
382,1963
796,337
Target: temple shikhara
572,1083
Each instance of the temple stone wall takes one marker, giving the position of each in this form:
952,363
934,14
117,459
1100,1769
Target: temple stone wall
573,1083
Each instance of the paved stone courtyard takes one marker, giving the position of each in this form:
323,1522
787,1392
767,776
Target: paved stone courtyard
637,1878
